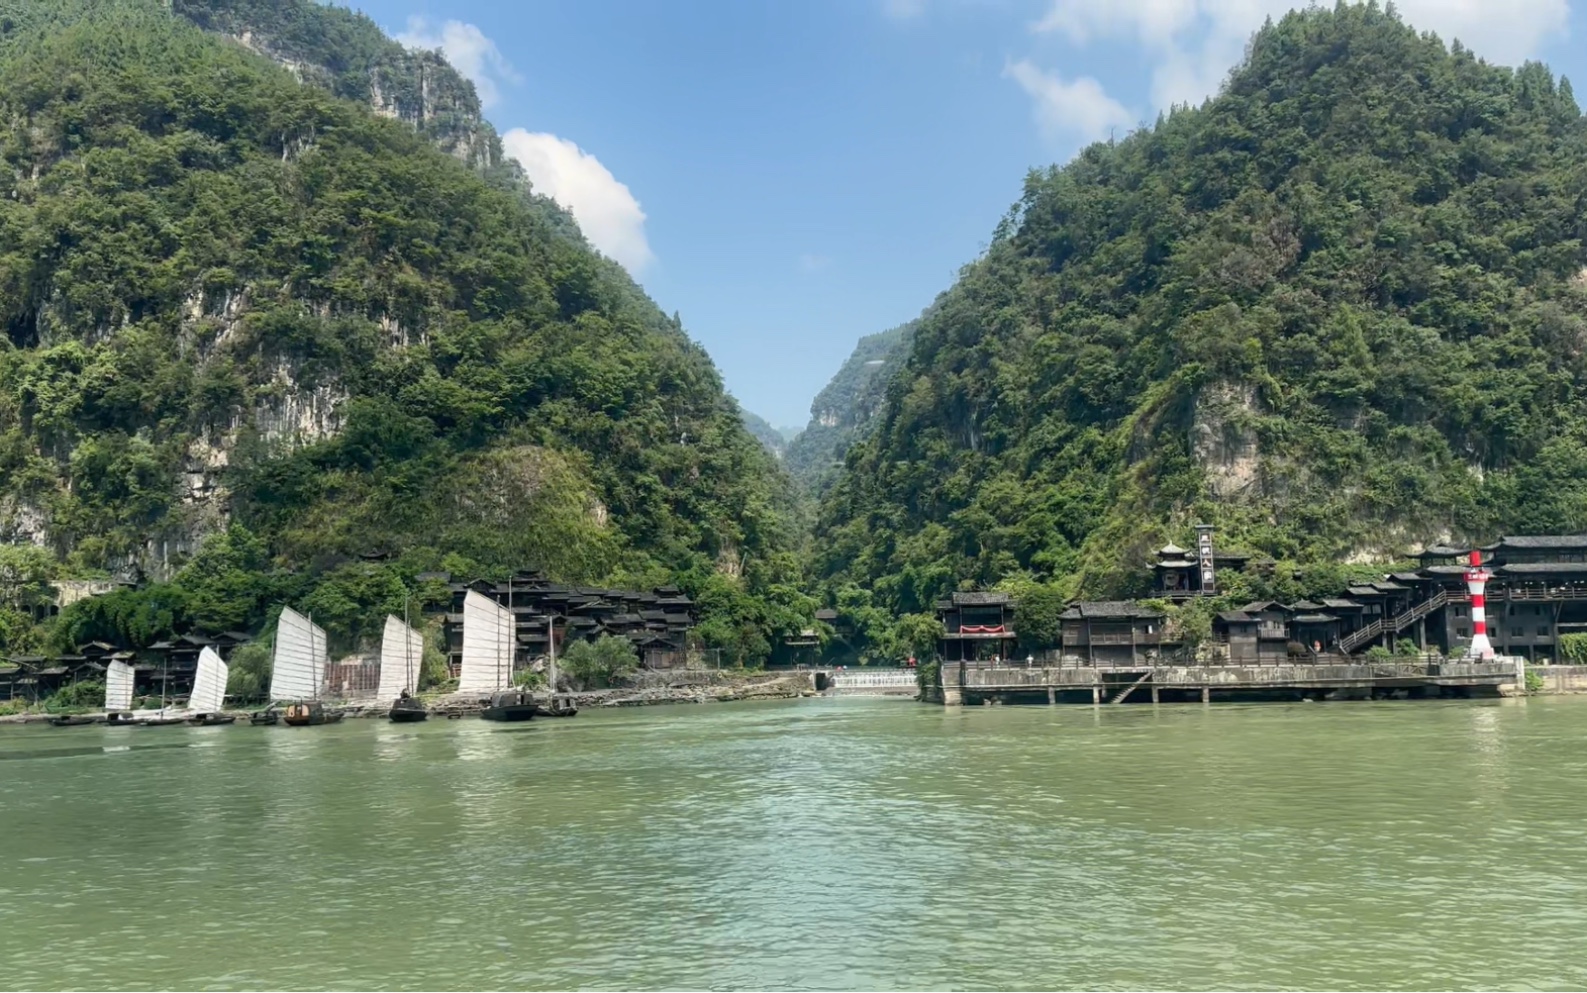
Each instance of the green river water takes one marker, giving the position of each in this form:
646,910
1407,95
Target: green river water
818,844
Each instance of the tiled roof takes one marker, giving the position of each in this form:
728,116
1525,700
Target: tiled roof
1542,541
1314,618
1258,606
980,599
1543,568
1236,617
1120,609
1341,604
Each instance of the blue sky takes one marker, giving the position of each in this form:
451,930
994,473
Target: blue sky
792,175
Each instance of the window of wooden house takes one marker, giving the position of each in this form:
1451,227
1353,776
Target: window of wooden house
1542,630
1462,633
1518,632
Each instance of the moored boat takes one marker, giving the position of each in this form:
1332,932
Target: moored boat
401,654
558,710
407,710
69,720
264,718
310,713
209,691
160,720
297,670
211,720
510,705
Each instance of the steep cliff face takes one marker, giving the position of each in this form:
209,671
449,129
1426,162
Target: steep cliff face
347,54
229,294
1335,311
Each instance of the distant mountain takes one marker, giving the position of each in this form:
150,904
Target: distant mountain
775,439
842,411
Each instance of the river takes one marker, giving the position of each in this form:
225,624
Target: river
817,844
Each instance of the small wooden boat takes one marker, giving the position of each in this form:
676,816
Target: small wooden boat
407,710
211,720
310,713
121,718
69,720
558,710
263,718
511,705
161,721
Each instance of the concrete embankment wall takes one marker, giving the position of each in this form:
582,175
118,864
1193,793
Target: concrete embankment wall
1561,678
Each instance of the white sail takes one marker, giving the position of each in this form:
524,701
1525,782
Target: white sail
209,684
401,651
118,686
299,664
487,645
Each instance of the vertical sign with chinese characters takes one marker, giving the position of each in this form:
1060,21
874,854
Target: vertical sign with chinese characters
1209,579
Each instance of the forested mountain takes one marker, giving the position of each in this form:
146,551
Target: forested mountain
1336,310
772,439
247,296
842,410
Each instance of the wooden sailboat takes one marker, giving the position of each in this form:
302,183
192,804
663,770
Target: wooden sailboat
401,653
118,698
298,669
209,691
489,637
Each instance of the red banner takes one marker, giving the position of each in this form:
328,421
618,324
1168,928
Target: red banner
981,629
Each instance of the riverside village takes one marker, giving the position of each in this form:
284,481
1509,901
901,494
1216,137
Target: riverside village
1488,621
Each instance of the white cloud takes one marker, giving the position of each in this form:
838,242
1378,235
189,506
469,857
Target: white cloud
1067,110
1196,42
468,49
606,210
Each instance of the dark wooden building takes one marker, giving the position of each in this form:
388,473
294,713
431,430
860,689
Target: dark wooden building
658,622
976,626
1112,633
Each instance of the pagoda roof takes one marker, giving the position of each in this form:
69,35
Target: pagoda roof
1170,549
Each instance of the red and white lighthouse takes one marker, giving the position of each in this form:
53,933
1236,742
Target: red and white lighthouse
1477,582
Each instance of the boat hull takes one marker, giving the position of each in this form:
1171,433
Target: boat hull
510,712
407,712
310,714
212,720
264,718
70,722
160,722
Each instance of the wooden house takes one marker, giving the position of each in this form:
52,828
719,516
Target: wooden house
1112,633
976,626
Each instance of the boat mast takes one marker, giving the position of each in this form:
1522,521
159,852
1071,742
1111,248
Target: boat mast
551,636
407,648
